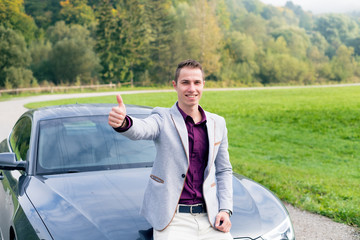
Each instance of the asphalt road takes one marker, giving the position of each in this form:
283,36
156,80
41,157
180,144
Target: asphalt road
307,226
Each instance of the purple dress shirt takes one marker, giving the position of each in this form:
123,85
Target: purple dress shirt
198,156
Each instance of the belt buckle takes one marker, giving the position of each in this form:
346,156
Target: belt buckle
191,209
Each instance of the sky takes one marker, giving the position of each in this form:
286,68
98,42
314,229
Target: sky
321,6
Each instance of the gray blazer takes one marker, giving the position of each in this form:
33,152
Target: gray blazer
168,130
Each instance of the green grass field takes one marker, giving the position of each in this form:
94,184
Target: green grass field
303,144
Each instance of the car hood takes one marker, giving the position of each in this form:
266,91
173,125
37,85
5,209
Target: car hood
256,210
106,205
91,205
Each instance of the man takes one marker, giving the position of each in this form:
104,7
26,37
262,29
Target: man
189,193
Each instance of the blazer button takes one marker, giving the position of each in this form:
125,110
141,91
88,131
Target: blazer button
183,175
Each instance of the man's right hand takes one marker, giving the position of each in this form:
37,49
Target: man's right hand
118,114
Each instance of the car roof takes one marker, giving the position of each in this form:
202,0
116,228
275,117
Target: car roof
75,110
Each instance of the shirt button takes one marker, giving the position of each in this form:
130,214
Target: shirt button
183,175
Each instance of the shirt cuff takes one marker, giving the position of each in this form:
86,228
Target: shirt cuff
129,124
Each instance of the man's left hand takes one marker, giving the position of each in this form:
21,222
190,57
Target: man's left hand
224,218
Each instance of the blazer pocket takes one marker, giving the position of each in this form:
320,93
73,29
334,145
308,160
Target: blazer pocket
156,179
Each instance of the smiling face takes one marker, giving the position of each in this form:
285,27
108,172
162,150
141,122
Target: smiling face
189,87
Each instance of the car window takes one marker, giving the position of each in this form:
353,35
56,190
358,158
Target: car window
20,138
88,144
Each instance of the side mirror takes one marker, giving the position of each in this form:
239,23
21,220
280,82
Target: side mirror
8,162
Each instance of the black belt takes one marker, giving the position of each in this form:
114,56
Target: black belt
198,208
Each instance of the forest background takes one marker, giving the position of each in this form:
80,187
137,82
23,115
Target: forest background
139,42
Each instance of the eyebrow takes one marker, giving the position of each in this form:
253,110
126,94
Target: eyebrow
187,80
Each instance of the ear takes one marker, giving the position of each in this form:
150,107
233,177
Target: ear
174,83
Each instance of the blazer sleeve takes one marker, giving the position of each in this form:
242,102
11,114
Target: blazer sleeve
146,129
224,173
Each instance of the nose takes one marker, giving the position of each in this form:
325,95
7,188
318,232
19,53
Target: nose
191,87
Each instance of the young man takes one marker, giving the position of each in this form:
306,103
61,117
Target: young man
189,193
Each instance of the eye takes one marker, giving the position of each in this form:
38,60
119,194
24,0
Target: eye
185,82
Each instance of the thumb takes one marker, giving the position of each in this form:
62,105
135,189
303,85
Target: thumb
119,100
217,221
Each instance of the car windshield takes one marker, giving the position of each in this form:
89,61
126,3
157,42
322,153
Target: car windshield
88,144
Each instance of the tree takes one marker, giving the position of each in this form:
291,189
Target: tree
240,66
72,59
223,15
45,13
316,56
204,36
343,64
297,40
270,12
283,68
135,41
76,12
277,46
12,16
236,10
14,59
290,17
107,41
180,44
252,25
17,77
355,43
40,65
305,19
72,56
319,41
336,28
253,6
241,47
160,25
61,31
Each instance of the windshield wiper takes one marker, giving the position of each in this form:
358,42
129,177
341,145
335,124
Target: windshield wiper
71,171
63,171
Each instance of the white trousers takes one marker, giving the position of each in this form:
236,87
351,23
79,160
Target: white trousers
186,226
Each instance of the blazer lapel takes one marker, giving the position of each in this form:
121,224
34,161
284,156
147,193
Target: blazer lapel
210,124
180,128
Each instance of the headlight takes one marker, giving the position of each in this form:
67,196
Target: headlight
284,231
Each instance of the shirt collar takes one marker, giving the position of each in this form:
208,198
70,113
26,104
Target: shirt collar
185,116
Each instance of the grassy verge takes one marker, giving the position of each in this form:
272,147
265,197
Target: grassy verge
8,96
303,144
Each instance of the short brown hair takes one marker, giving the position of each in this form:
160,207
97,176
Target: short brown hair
190,63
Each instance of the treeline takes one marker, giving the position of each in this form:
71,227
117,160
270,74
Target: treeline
239,42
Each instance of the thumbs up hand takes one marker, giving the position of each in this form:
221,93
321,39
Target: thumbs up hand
117,114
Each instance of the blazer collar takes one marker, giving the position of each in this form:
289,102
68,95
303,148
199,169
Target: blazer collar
182,131
210,124
180,128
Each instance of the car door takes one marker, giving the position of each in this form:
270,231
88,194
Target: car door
19,144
